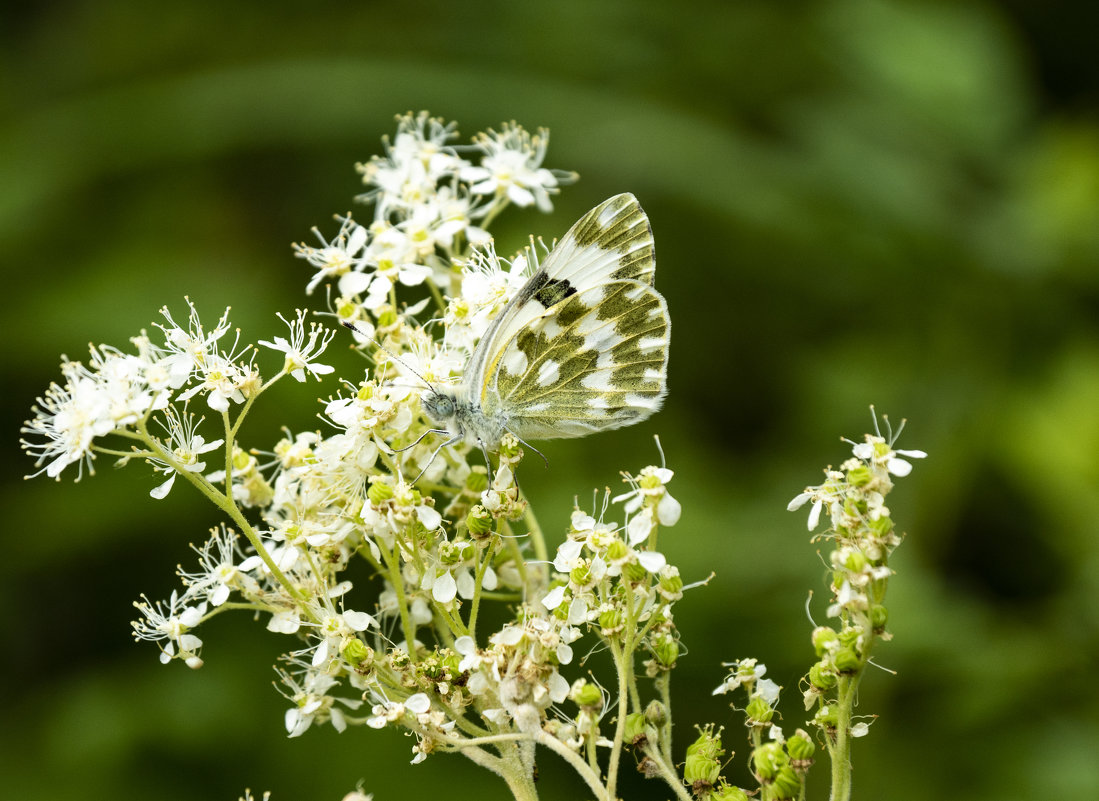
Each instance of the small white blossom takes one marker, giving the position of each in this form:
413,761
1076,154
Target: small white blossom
299,352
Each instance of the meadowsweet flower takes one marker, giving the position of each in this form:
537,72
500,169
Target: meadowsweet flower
299,352
512,167
340,258
169,625
186,445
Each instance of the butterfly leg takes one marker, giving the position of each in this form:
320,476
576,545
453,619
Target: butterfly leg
435,453
418,441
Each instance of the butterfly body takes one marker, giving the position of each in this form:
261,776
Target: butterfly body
582,347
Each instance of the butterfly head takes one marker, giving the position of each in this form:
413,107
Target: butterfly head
440,406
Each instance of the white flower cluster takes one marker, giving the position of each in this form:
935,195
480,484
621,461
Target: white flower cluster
118,393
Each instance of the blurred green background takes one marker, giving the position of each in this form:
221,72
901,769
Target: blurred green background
854,202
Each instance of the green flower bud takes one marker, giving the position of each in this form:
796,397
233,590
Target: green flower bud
477,481
588,695
666,651
824,639
850,636
878,616
379,492
800,746
767,760
617,551
580,575
827,717
670,584
758,711
510,449
787,783
881,526
728,793
611,621
708,744
847,660
634,573
635,728
822,676
854,560
479,522
699,768
242,461
399,659
656,713
859,476
357,653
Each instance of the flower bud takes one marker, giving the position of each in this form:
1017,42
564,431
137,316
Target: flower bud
758,711
822,676
728,792
701,769
767,760
477,481
847,660
479,522
667,652
379,492
800,746
587,695
670,584
824,639
611,621
656,713
859,476
879,615
707,744
827,717
635,733
357,653
787,783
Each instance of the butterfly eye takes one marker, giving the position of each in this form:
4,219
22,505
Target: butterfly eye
438,406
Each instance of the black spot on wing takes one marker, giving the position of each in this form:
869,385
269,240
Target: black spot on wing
552,292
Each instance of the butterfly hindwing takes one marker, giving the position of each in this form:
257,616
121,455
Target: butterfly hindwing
597,360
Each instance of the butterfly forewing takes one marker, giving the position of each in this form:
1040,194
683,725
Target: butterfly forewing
613,241
596,361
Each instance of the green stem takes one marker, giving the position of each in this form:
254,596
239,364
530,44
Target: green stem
590,777
668,774
841,749
517,773
392,563
226,504
482,567
435,293
664,683
623,663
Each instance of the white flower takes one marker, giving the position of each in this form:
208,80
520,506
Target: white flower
69,417
512,167
185,445
171,626
339,258
299,352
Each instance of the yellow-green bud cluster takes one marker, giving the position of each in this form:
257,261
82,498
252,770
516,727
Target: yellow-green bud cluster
702,768
772,767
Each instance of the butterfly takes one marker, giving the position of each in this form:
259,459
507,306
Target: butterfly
582,347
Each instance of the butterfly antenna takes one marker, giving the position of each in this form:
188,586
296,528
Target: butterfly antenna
388,353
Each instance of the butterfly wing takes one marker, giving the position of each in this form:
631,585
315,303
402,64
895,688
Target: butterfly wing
612,242
595,361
